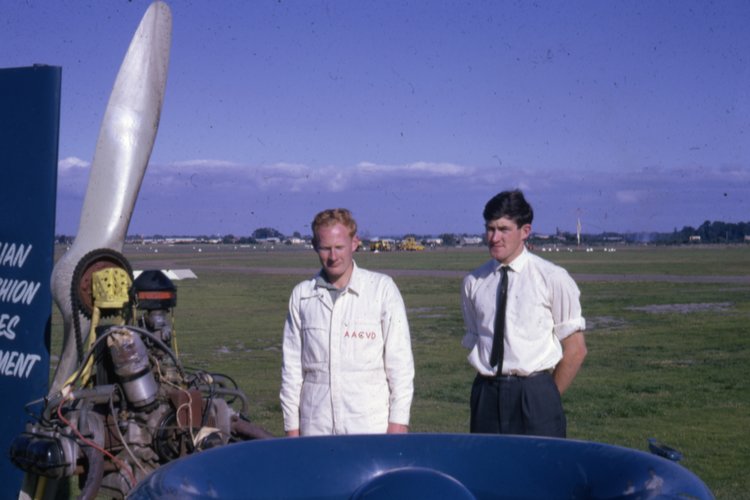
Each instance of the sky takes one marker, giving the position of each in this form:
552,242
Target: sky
632,116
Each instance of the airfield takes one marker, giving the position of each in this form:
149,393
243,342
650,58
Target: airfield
666,332
633,263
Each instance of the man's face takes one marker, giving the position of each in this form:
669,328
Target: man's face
335,249
505,239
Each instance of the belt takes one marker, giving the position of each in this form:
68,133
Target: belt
510,376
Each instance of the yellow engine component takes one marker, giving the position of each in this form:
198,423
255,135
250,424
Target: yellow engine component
110,288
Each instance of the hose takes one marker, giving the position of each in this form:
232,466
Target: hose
95,470
249,430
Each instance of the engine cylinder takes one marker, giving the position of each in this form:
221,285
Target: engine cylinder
131,364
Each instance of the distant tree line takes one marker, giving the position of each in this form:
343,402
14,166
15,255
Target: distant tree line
708,232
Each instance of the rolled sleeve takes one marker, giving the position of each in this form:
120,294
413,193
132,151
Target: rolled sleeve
566,310
568,328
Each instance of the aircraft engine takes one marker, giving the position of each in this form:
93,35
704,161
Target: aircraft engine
130,406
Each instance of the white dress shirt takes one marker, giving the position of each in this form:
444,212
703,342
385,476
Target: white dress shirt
543,308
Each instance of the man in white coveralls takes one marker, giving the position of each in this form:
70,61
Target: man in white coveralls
347,362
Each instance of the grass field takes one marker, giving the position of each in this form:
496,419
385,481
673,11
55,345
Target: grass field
669,351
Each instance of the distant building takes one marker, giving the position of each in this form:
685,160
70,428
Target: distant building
695,239
180,241
471,240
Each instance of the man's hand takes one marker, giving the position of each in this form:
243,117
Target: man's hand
397,428
292,433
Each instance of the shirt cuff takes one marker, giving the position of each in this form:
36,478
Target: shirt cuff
397,416
564,330
291,424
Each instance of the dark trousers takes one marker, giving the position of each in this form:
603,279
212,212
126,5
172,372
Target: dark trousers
517,405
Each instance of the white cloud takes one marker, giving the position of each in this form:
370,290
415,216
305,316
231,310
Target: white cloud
420,169
429,196
71,163
295,177
202,163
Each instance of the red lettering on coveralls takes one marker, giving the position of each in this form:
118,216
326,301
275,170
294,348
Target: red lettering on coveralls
360,335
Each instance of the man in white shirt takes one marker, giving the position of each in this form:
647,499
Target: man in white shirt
523,369
347,362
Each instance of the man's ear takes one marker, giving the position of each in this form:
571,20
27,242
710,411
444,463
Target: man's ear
525,231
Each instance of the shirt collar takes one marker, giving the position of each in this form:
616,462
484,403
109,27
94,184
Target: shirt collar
518,263
322,282
355,282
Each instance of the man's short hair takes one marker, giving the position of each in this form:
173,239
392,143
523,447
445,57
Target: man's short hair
331,217
510,204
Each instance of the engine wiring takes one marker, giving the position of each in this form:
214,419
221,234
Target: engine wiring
119,433
187,406
122,465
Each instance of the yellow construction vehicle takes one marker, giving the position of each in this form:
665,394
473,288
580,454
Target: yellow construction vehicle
381,246
410,244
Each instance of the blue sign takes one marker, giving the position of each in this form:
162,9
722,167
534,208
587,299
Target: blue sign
30,110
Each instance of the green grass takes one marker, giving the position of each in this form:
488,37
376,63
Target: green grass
679,375
684,261
676,376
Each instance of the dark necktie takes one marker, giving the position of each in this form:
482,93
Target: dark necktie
496,357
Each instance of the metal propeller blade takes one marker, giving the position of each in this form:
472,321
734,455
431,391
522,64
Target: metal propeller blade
126,138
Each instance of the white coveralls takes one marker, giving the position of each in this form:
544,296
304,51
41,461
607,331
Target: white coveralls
347,366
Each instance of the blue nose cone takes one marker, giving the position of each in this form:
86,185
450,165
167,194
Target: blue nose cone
412,466
410,483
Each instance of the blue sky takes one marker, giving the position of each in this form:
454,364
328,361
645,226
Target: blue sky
632,115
